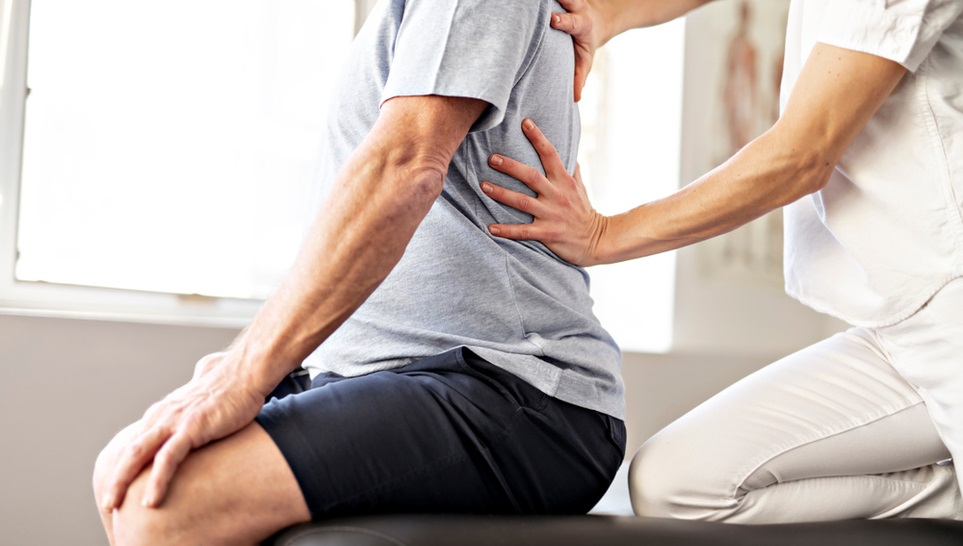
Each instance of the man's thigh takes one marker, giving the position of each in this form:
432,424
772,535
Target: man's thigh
238,490
449,433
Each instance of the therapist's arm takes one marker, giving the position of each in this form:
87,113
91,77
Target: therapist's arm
592,23
613,17
381,195
837,92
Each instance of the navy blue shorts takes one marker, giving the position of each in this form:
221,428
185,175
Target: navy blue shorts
447,434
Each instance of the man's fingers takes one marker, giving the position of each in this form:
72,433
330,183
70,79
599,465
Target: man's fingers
547,153
133,459
168,458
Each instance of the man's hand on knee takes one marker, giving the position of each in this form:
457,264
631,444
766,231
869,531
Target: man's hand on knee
219,400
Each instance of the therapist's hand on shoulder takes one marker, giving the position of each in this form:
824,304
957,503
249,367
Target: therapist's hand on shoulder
564,219
592,23
584,22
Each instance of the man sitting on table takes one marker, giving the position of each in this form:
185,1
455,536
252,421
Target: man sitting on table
452,372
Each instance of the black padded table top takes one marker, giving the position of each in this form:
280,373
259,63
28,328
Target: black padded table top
450,530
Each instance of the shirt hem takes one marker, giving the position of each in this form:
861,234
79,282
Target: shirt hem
906,311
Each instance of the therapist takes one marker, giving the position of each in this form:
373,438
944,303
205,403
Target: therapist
867,159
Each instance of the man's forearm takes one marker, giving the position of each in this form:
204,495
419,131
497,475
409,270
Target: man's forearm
380,197
342,261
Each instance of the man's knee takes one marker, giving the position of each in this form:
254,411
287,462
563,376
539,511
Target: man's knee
101,473
135,525
106,461
131,524
234,491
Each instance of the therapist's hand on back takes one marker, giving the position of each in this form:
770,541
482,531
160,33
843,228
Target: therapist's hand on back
564,219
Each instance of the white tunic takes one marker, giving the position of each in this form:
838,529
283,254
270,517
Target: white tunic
886,233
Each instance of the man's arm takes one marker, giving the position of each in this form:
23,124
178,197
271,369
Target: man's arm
380,196
836,94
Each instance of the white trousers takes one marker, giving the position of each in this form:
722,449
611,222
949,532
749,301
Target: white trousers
861,425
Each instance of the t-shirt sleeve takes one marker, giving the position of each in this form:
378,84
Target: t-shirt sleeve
903,31
465,48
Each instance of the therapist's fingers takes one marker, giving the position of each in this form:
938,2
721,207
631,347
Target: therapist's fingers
516,200
551,162
530,176
579,23
574,21
519,232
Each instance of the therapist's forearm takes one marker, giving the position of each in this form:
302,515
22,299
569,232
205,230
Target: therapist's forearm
795,158
758,179
623,15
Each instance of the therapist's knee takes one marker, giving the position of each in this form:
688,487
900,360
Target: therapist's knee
652,481
664,484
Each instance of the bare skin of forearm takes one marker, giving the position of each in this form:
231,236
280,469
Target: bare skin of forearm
758,179
381,196
623,15
793,159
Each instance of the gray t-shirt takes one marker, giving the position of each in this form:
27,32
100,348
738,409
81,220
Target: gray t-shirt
515,304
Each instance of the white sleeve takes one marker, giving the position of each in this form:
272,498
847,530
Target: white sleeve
903,31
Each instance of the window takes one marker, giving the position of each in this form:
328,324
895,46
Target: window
166,147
